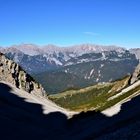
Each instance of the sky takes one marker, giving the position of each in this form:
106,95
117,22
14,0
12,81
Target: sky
69,22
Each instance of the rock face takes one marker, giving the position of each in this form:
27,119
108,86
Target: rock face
136,75
14,74
77,66
37,59
136,51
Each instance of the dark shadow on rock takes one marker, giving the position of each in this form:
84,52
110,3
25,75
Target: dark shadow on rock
124,125
21,120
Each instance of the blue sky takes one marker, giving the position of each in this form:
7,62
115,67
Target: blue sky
67,22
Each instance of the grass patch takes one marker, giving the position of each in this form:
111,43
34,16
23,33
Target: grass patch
82,100
92,98
118,99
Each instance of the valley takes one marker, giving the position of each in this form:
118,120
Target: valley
77,66
27,108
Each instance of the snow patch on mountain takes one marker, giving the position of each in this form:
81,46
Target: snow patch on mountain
57,62
91,72
103,56
102,65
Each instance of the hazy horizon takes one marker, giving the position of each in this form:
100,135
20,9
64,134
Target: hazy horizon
64,46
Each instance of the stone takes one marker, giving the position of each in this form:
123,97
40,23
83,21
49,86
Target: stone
11,72
135,75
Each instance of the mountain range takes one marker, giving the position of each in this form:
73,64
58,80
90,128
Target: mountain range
76,66
102,112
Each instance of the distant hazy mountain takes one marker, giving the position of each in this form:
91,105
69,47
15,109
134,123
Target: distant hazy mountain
75,66
136,51
51,56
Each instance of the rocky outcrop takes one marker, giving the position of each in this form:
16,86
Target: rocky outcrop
136,75
14,74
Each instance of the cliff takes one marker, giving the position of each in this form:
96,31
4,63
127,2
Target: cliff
11,72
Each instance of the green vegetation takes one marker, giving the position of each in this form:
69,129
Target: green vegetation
119,98
82,100
91,98
79,75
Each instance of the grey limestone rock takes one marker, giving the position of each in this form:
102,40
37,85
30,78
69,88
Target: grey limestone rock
14,74
136,75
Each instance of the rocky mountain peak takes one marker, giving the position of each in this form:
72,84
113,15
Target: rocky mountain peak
136,75
29,49
14,74
136,51
32,49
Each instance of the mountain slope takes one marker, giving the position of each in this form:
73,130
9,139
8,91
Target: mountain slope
23,85
28,116
50,57
100,96
84,64
23,120
88,73
14,74
47,105
136,51
90,98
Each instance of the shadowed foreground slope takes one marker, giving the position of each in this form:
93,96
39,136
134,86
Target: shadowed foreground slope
22,120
